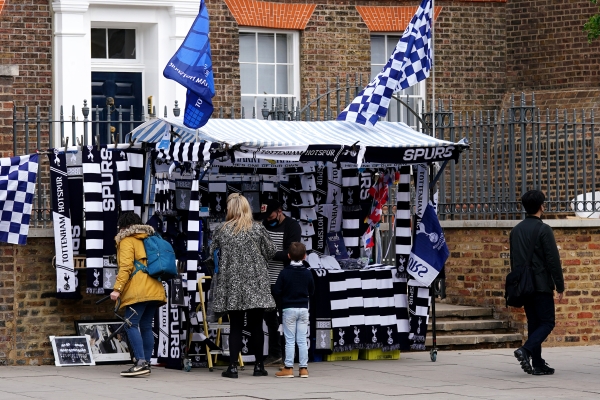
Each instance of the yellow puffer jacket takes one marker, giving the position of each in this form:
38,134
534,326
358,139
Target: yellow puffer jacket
142,287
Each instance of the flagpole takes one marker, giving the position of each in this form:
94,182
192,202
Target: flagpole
432,68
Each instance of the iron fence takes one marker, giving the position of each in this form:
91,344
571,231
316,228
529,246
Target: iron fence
516,150
511,151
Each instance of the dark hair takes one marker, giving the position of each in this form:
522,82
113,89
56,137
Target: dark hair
127,219
297,251
532,201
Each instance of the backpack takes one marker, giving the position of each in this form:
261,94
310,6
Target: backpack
160,259
519,282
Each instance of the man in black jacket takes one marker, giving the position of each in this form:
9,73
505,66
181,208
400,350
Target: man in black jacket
547,273
283,232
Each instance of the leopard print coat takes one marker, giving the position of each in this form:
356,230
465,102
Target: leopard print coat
242,280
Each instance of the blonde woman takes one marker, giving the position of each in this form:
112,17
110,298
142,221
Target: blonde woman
243,282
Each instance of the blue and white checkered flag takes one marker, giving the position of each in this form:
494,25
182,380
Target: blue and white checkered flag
17,184
410,63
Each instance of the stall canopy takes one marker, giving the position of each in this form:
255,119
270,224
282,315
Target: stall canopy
337,141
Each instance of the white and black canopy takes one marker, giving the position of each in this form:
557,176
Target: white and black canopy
327,141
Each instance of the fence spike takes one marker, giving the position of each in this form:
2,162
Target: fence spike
85,110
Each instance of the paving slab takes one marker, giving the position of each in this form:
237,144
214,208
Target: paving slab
471,374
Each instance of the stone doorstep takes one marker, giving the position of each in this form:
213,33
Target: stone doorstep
474,339
450,310
468,325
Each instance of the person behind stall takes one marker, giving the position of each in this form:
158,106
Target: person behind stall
242,285
294,286
283,232
141,292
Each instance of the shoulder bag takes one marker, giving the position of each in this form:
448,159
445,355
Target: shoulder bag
519,282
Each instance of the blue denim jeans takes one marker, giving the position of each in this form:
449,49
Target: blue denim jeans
295,325
141,338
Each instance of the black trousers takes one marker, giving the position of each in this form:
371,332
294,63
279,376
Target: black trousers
272,320
255,327
540,313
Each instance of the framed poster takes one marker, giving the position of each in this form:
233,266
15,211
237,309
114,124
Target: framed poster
71,350
115,350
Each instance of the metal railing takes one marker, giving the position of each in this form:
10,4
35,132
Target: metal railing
511,151
516,150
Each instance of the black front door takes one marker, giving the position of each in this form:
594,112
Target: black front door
125,88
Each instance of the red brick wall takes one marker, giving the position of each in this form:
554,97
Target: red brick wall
547,47
29,312
6,115
470,50
470,54
26,38
479,262
224,43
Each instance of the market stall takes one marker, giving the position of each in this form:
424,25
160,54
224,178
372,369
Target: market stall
333,177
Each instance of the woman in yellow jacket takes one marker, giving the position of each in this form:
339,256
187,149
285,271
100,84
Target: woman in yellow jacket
141,292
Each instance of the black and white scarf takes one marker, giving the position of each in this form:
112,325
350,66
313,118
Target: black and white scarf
75,174
101,205
419,301
403,222
401,307
61,218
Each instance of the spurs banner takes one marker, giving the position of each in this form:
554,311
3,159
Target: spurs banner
272,155
317,152
61,218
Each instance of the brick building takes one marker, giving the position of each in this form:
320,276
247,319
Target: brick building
68,51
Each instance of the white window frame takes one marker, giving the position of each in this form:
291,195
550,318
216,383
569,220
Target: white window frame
295,81
119,64
421,96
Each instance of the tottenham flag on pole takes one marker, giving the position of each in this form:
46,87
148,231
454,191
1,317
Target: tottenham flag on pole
191,66
410,63
17,184
429,252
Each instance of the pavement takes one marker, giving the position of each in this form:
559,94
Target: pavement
472,374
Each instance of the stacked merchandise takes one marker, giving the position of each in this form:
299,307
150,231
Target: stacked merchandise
356,310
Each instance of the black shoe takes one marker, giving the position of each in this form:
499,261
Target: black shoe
545,370
259,370
231,372
522,355
137,370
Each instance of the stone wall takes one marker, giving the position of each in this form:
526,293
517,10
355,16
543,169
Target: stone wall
29,310
479,263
